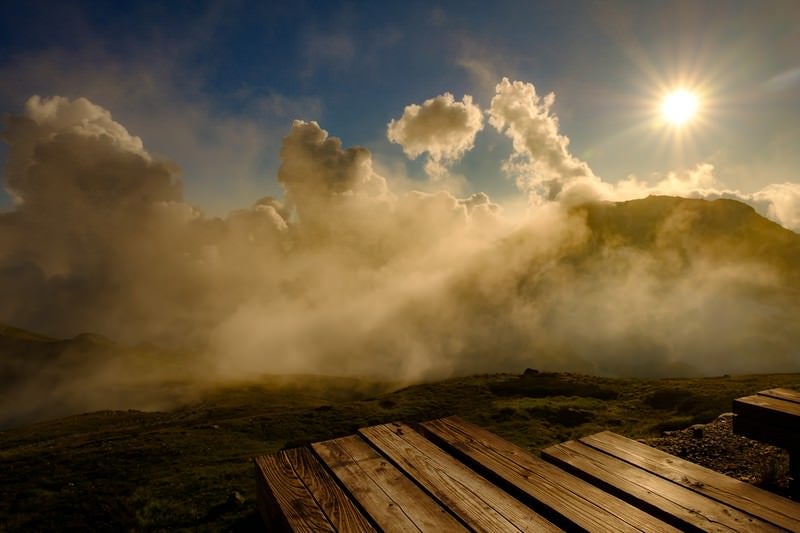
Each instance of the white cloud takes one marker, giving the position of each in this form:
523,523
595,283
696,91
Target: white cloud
782,202
230,154
541,162
441,127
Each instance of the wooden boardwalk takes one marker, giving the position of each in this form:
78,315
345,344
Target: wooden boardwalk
450,475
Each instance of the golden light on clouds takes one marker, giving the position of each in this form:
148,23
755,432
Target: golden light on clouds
679,107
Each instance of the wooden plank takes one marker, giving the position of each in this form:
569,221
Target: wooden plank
341,512
769,410
771,416
757,502
566,500
674,503
392,500
283,500
481,505
788,395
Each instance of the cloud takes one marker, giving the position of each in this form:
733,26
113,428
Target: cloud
546,171
441,127
541,160
230,152
113,168
343,275
780,202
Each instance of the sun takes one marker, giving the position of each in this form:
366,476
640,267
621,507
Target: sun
679,107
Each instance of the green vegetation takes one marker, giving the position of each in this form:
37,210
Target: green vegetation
182,469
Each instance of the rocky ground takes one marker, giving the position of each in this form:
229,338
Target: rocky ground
715,446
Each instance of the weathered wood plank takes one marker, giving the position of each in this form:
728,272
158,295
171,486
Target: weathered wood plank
340,510
283,500
767,506
769,410
674,503
565,499
392,500
788,395
480,504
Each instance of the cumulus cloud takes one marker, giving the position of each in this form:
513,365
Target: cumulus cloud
541,160
315,165
230,153
441,127
112,168
342,275
780,202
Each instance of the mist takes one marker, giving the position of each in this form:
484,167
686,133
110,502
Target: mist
344,276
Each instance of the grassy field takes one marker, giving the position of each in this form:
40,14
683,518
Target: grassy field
191,468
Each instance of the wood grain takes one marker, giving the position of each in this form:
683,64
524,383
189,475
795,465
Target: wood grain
674,503
340,510
284,501
768,507
788,395
769,410
392,500
563,498
479,503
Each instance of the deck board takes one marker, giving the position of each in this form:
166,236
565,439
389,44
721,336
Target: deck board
788,395
757,502
393,501
674,503
771,416
285,501
769,409
449,475
550,490
340,510
480,504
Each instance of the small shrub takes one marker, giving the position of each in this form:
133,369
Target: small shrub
667,399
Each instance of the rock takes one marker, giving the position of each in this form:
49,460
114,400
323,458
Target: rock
530,372
697,430
235,500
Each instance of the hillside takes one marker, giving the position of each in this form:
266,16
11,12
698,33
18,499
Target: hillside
723,228
190,468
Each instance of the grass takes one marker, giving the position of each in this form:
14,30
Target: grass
191,468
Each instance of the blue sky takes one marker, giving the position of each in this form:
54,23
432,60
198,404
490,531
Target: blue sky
215,86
